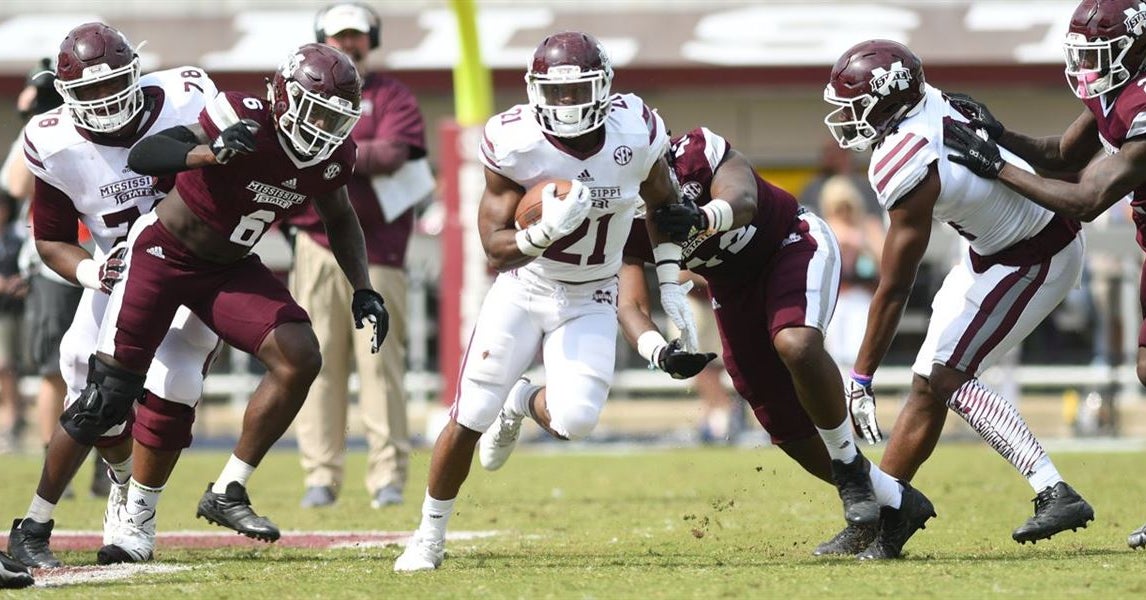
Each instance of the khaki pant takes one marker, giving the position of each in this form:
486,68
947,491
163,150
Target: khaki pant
320,287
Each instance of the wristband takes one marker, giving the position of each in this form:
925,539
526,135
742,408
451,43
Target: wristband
864,380
667,256
719,215
87,274
649,344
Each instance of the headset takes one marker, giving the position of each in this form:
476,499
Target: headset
375,33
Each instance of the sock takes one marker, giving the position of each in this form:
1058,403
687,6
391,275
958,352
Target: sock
1044,475
436,515
141,498
888,491
234,470
840,441
40,510
999,423
520,404
121,471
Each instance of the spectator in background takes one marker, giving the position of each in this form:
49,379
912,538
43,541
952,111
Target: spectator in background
837,161
861,244
390,177
13,289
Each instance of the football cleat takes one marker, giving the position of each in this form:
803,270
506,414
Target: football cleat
1057,508
850,541
422,553
116,498
13,575
28,542
897,525
1137,538
499,441
132,540
233,511
854,486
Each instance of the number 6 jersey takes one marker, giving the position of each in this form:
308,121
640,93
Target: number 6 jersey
78,180
515,146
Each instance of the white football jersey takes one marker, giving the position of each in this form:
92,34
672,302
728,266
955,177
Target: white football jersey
635,137
108,195
991,216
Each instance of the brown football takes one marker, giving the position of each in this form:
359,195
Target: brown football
529,209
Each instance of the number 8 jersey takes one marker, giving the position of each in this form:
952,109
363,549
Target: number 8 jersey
514,145
78,180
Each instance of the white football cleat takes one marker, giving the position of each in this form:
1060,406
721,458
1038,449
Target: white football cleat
499,441
421,554
116,498
133,539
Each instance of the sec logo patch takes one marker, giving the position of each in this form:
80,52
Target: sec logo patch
332,171
622,155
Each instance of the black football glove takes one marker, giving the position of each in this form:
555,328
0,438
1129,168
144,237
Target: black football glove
977,154
367,305
978,114
236,139
680,364
680,221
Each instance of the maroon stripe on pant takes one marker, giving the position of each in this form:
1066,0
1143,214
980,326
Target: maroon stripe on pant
989,303
461,370
1012,317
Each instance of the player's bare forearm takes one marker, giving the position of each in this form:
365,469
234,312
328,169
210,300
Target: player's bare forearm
62,257
658,190
1100,186
882,322
502,252
1042,153
735,183
347,243
1066,153
633,302
495,224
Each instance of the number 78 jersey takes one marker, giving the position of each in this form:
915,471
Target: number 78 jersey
514,145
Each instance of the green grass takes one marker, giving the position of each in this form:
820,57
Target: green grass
661,524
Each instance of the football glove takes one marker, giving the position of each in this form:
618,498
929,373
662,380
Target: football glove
977,154
680,221
978,113
676,361
236,139
559,217
861,405
367,305
674,299
104,275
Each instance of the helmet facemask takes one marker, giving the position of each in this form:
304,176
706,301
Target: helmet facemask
569,102
1095,68
108,112
849,123
316,125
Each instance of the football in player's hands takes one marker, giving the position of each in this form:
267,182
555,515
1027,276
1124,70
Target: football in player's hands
529,208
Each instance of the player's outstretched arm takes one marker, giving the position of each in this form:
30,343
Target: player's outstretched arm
1066,153
642,334
659,191
733,191
186,147
495,223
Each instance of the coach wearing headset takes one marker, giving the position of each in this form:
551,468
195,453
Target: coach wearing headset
391,175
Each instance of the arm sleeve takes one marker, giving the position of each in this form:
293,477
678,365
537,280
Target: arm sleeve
54,216
163,153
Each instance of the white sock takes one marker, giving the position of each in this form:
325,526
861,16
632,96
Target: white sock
999,423
887,490
1044,475
840,441
435,516
121,471
40,510
517,405
234,470
141,498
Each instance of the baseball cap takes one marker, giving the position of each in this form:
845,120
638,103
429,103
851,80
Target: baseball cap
341,17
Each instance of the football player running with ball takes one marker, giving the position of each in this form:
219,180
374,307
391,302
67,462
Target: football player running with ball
1105,55
1021,261
557,286
773,270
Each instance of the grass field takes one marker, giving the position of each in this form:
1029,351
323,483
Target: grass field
734,523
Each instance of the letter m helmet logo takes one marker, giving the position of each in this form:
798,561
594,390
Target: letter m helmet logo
885,81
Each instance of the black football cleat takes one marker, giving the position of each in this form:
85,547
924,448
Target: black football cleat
897,525
13,574
850,541
233,511
1137,538
1057,508
854,486
28,543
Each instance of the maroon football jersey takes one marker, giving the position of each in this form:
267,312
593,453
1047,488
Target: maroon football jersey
244,197
1125,119
728,255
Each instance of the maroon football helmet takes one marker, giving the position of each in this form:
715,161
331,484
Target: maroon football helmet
1101,54
97,75
874,84
568,83
315,96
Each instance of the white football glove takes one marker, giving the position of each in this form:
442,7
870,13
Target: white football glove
560,217
861,405
674,299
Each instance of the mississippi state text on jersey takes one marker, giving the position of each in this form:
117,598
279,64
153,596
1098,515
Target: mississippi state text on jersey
91,181
243,198
515,146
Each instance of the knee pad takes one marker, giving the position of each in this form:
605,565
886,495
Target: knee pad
573,421
113,440
105,402
162,424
